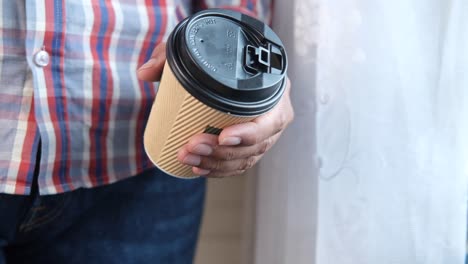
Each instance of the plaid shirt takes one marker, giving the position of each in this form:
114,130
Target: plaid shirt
85,104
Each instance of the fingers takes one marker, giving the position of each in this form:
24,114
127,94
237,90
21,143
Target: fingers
206,145
212,160
151,71
216,174
213,164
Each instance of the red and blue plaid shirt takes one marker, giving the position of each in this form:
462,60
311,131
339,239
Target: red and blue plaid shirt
85,105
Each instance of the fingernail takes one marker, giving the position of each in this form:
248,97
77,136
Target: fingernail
148,64
231,141
203,172
202,149
192,160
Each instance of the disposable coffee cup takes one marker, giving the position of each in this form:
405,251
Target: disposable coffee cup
222,68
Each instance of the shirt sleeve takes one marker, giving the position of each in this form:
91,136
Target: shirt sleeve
261,9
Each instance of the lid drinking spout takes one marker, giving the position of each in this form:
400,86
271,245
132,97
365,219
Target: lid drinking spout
263,59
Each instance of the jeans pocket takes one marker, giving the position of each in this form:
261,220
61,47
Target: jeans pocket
43,212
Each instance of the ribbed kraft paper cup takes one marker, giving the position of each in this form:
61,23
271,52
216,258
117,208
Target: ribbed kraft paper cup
223,68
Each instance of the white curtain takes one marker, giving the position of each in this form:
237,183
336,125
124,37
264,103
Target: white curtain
375,167
287,176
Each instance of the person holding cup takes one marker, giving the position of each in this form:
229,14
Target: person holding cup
224,70
76,185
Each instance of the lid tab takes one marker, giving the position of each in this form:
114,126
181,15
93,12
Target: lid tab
260,59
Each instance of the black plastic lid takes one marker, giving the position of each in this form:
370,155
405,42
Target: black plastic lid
229,61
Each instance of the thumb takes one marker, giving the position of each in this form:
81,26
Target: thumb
151,71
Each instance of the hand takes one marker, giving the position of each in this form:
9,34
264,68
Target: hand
151,71
238,147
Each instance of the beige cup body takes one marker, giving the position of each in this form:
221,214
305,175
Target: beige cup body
175,117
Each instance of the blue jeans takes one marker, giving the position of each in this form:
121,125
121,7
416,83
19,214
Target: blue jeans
149,218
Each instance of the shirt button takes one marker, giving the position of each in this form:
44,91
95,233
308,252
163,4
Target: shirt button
41,58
